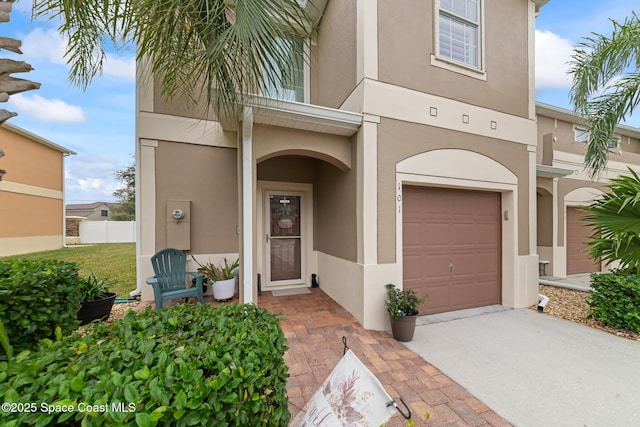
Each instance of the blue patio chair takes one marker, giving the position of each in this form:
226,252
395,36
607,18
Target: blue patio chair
170,280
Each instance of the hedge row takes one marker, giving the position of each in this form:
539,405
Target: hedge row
36,297
182,365
615,299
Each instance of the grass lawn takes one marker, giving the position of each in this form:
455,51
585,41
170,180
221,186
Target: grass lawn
113,261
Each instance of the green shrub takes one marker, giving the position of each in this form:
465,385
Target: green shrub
36,296
182,365
615,299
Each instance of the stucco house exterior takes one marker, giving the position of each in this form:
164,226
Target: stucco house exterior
563,186
31,192
407,154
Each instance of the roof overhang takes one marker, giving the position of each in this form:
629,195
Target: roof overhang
539,4
572,117
296,115
545,171
315,8
36,138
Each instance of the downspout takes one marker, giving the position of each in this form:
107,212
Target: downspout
64,199
544,300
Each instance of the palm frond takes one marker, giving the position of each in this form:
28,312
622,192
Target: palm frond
603,90
214,51
615,218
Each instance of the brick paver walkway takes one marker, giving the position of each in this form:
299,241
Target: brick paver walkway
314,325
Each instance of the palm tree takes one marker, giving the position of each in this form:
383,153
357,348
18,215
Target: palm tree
221,49
614,218
606,85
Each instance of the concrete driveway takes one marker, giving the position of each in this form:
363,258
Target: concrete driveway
534,369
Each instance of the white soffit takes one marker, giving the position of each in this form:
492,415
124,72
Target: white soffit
545,171
307,117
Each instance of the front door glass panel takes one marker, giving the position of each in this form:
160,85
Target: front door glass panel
285,237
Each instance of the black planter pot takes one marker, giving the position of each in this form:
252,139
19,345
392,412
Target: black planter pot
97,309
403,327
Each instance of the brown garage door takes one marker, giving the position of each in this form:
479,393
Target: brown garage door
578,260
451,247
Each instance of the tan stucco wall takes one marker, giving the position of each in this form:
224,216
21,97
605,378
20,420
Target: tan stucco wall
29,162
333,59
289,169
179,106
336,207
406,45
399,140
207,177
273,141
23,215
545,218
31,193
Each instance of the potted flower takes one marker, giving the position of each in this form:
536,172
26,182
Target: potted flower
97,301
403,306
222,278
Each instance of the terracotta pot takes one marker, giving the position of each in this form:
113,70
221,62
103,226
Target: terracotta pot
403,327
97,309
224,289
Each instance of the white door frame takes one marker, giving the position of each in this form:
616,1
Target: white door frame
305,191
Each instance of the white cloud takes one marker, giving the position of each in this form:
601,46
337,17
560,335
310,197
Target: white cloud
117,66
47,110
552,56
46,45
90,178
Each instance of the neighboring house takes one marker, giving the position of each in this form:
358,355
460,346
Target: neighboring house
97,211
405,154
31,193
563,186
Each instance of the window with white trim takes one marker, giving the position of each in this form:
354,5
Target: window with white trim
460,31
582,135
295,89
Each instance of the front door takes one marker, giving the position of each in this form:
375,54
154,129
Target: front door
284,238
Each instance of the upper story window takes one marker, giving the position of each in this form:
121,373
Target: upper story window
460,31
582,135
295,89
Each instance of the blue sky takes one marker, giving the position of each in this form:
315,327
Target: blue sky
99,123
560,25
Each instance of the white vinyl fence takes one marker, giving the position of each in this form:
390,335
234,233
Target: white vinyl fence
107,231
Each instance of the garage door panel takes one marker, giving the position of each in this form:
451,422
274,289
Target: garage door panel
462,234
412,235
460,227
439,299
434,265
412,267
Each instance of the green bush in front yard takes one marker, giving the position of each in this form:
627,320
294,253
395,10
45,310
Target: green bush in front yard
615,299
182,365
36,297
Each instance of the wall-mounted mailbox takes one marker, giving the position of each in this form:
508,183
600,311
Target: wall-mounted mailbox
179,224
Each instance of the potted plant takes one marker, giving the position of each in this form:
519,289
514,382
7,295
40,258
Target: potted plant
222,278
97,301
403,306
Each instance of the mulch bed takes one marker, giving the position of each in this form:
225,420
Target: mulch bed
571,305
